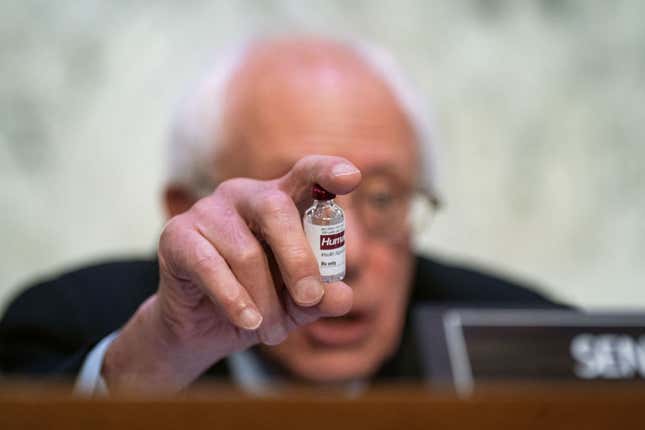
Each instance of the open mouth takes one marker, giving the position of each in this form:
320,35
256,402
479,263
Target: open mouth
350,317
348,330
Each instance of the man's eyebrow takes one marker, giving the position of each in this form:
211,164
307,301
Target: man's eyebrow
389,172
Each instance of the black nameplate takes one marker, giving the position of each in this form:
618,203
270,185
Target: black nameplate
465,347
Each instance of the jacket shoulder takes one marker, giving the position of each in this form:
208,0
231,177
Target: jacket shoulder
60,315
438,281
95,294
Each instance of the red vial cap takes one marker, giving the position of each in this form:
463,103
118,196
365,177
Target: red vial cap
319,193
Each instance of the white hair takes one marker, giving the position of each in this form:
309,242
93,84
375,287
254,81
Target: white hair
196,126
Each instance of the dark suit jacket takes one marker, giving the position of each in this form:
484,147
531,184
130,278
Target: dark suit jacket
50,327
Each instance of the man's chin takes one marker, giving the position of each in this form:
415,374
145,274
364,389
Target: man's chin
331,368
333,350
327,364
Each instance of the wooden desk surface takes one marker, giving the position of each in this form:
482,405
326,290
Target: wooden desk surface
502,407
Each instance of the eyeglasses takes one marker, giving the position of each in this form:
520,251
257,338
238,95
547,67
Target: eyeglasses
384,206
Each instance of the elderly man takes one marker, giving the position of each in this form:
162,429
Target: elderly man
235,291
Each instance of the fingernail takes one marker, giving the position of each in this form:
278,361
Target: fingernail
276,334
250,319
344,169
309,291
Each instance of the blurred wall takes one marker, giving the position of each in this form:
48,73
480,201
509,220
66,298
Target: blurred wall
539,105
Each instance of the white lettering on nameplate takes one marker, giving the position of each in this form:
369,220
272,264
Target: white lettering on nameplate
608,356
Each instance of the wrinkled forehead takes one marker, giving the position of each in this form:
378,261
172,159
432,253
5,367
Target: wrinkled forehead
290,101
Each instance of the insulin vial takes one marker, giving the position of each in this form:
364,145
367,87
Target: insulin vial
324,224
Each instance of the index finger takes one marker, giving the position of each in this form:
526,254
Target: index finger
335,174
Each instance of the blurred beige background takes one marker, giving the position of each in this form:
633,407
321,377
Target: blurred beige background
539,106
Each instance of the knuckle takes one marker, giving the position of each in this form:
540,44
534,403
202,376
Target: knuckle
305,161
212,215
301,259
231,187
278,216
204,263
300,164
171,229
301,255
202,208
174,247
274,203
203,259
251,256
226,187
171,235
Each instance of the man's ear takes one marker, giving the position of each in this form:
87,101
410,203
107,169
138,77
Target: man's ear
177,199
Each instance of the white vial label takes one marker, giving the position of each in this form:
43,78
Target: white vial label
328,244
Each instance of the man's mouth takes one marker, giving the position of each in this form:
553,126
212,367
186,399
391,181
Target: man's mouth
344,331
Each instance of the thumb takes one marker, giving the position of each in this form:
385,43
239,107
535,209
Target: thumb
335,174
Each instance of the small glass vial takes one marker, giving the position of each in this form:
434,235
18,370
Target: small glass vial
324,224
